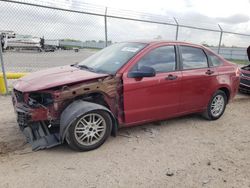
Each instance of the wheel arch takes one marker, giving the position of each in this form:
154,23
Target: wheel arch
76,109
226,90
97,97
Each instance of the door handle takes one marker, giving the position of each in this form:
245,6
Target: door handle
171,77
209,72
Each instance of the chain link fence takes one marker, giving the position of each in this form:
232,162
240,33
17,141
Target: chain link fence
45,34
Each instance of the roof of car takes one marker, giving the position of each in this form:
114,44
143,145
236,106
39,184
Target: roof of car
165,41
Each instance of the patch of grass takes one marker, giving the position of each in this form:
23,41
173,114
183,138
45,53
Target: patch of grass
92,49
240,62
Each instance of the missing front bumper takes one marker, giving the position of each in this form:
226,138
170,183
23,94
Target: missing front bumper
39,136
37,132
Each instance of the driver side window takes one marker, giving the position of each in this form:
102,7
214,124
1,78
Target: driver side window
161,59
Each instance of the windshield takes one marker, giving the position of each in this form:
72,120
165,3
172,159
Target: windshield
111,59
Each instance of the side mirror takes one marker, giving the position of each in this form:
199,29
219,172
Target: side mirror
143,72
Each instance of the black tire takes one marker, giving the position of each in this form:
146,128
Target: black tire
207,114
76,145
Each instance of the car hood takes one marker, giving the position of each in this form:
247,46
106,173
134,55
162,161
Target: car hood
54,77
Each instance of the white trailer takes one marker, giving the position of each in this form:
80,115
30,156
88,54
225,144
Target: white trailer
49,42
24,42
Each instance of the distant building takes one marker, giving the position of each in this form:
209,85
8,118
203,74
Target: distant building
95,44
68,44
51,42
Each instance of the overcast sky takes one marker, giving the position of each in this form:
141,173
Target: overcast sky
211,8
232,15
209,11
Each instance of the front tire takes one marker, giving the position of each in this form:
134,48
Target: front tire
89,131
216,106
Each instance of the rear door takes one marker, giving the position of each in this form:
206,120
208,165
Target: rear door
153,98
198,79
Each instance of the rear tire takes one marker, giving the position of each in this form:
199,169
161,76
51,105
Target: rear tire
216,106
89,131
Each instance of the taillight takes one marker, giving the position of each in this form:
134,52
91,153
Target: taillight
237,72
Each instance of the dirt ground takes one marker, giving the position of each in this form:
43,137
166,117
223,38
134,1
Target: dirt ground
182,152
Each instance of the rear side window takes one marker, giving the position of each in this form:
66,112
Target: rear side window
193,58
214,60
162,59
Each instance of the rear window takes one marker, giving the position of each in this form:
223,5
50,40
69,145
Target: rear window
193,58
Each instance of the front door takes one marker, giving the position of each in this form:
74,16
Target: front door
153,98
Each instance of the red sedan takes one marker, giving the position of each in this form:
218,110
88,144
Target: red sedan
125,84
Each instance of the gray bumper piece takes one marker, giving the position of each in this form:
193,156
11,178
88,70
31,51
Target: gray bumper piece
39,137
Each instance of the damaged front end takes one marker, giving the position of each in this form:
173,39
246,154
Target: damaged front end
36,118
39,112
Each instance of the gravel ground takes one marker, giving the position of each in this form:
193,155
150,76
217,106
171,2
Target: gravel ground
182,152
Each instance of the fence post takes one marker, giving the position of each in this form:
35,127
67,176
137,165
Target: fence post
177,29
221,33
106,27
5,88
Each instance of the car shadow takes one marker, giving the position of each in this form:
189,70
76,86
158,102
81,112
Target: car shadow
133,132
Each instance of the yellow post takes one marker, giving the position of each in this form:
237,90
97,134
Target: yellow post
15,75
9,75
2,85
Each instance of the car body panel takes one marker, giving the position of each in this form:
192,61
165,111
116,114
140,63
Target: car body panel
196,84
152,98
228,77
54,77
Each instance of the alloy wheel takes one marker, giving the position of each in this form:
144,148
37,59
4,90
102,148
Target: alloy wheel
90,129
217,105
